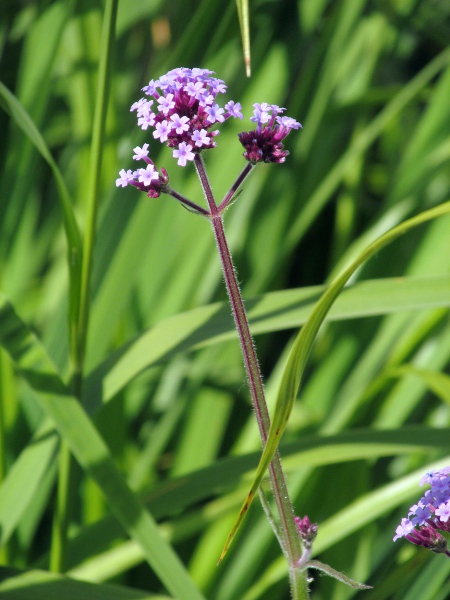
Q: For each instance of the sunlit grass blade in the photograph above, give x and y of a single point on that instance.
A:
(79, 433)
(244, 23)
(24, 478)
(437, 382)
(326, 187)
(180, 494)
(293, 372)
(74, 244)
(271, 312)
(359, 513)
(98, 141)
(42, 585)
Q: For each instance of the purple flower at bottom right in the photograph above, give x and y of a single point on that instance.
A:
(430, 515)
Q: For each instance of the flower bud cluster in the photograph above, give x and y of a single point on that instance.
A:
(263, 144)
(430, 515)
(307, 530)
(182, 110)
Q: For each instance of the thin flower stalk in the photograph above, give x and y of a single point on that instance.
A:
(291, 542)
(182, 110)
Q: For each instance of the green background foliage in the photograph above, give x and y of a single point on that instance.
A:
(163, 435)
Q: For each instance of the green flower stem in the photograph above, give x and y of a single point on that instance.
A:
(299, 583)
(61, 513)
(64, 501)
(98, 135)
(291, 539)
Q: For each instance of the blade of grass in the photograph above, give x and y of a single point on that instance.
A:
(81, 295)
(101, 106)
(327, 186)
(41, 585)
(24, 478)
(363, 511)
(293, 372)
(74, 245)
(244, 24)
(272, 312)
(437, 382)
(177, 495)
(91, 452)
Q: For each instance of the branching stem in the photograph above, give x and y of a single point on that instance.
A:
(290, 539)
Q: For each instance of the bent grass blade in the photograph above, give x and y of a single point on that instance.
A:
(296, 362)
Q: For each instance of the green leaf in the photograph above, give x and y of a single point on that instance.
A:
(437, 382)
(362, 511)
(179, 494)
(359, 145)
(78, 431)
(298, 356)
(42, 585)
(25, 477)
(95, 162)
(271, 312)
(244, 23)
(74, 245)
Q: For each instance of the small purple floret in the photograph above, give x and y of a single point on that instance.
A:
(182, 111)
(185, 110)
(263, 144)
(140, 153)
(430, 515)
(183, 153)
(125, 178)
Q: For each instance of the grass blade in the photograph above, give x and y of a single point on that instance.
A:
(78, 431)
(244, 23)
(271, 312)
(42, 585)
(74, 246)
(293, 372)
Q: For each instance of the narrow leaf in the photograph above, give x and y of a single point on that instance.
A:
(42, 585)
(271, 312)
(74, 246)
(244, 23)
(78, 431)
(437, 382)
(24, 478)
(298, 356)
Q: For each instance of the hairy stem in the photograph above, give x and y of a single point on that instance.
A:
(291, 540)
(187, 203)
(234, 188)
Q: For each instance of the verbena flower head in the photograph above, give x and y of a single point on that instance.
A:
(181, 109)
(263, 144)
(182, 112)
(430, 515)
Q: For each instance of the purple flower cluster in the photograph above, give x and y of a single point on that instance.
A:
(430, 515)
(263, 144)
(182, 111)
(146, 180)
(185, 110)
